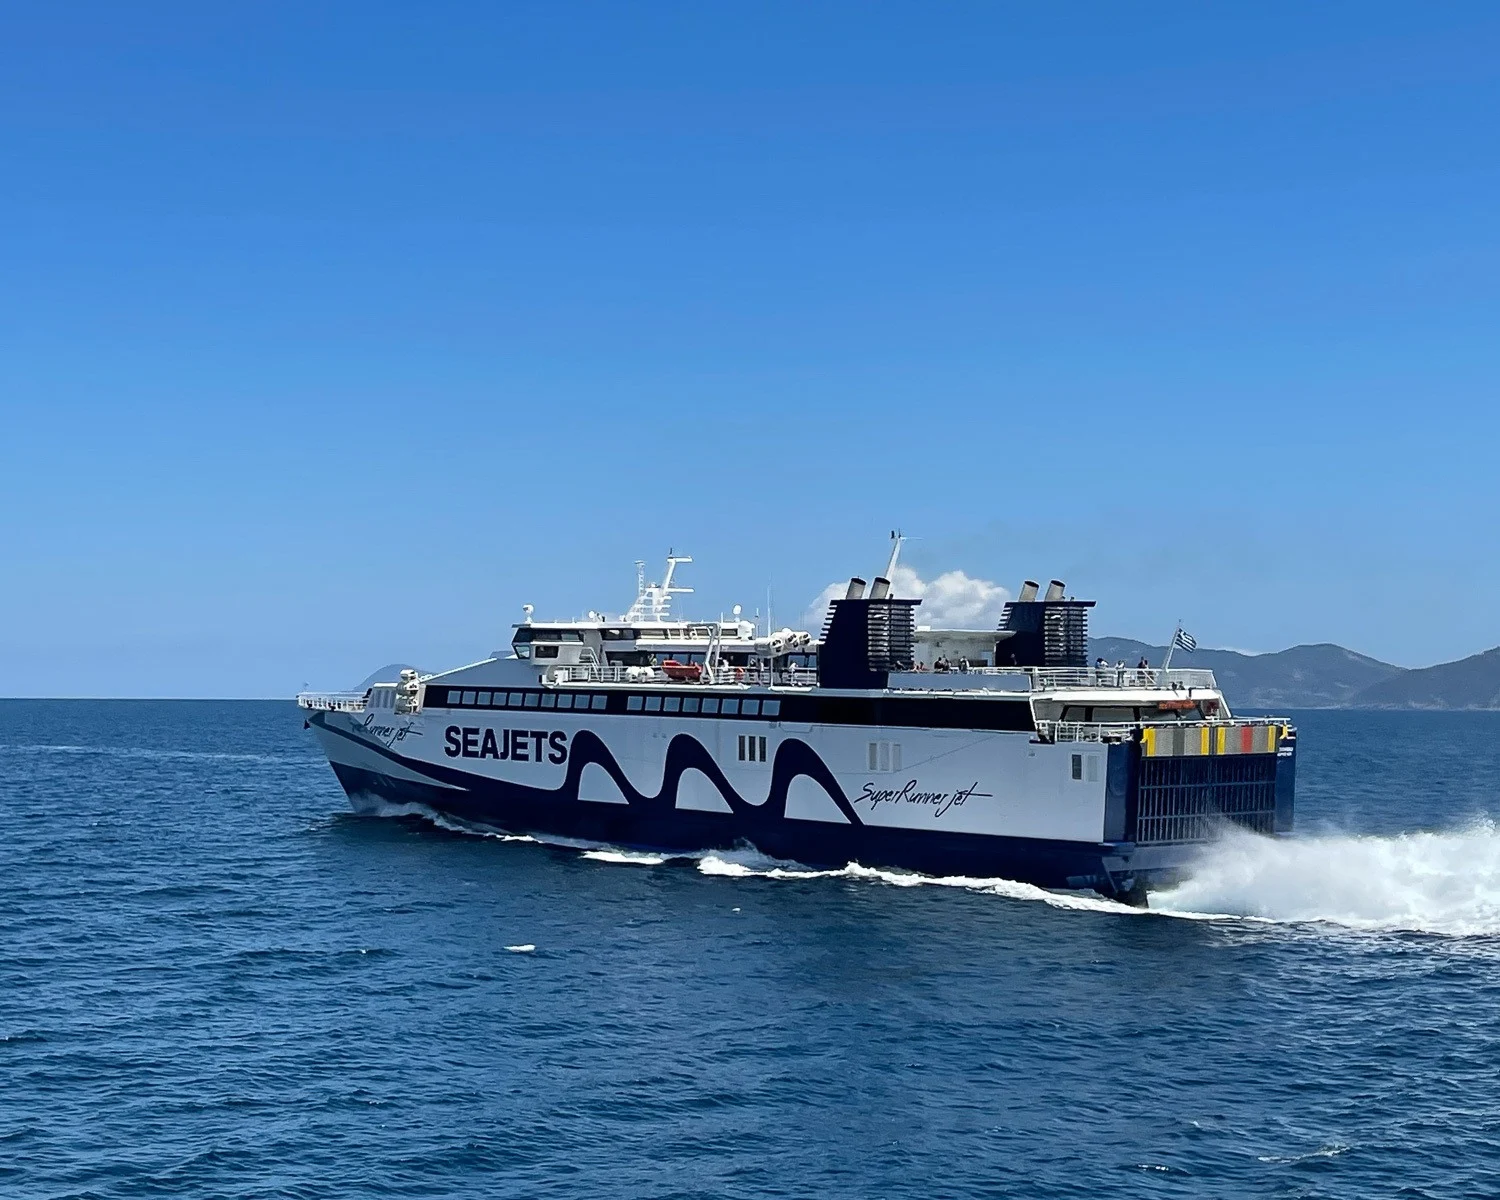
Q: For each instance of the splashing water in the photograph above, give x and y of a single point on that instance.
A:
(743, 864)
(1446, 883)
(1441, 883)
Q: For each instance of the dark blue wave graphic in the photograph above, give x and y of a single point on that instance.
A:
(793, 757)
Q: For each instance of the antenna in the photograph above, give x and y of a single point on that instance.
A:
(653, 601)
(897, 537)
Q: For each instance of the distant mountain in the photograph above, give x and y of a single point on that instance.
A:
(1319, 676)
(1472, 682)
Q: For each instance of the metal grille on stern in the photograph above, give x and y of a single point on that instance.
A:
(1191, 799)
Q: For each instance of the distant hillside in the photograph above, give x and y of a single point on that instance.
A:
(1320, 676)
(1472, 682)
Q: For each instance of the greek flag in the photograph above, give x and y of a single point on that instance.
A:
(1183, 640)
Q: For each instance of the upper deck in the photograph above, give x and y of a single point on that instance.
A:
(869, 657)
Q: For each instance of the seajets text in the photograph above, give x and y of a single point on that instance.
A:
(939, 802)
(518, 745)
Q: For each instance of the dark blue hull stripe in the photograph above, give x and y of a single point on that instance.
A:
(654, 822)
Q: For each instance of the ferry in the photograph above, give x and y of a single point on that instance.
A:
(954, 752)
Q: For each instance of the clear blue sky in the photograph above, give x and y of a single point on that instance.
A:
(331, 334)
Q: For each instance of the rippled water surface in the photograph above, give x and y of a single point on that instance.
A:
(215, 980)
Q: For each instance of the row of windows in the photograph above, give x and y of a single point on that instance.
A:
(752, 748)
(1085, 768)
(1112, 714)
(530, 633)
(575, 700)
(886, 712)
(709, 706)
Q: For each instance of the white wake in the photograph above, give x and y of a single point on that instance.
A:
(1446, 882)
(1442, 883)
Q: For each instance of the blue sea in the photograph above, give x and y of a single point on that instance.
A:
(217, 981)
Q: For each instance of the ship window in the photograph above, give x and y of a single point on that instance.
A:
(514, 700)
(530, 633)
(1091, 768)
(1077, 766)
(1110, 716)
(672, 703)
(468, 699)
(710, 704)
(565, 700)
(653, 704)
(771, 708)
(546, 651)
(599, 702)
(690, 704)
(484, 699)
(751, 708)
(730, 706)
(633, 703)
(742, 747)
(761, 742)
(549, 700)
(532, 698)
(884, 756)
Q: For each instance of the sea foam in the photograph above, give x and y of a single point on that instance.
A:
(1444, 882)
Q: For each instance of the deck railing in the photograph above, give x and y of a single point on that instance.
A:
(1091, 731)
(1083, 731)
(333, 701)
(613, 673)
(1049, 678)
